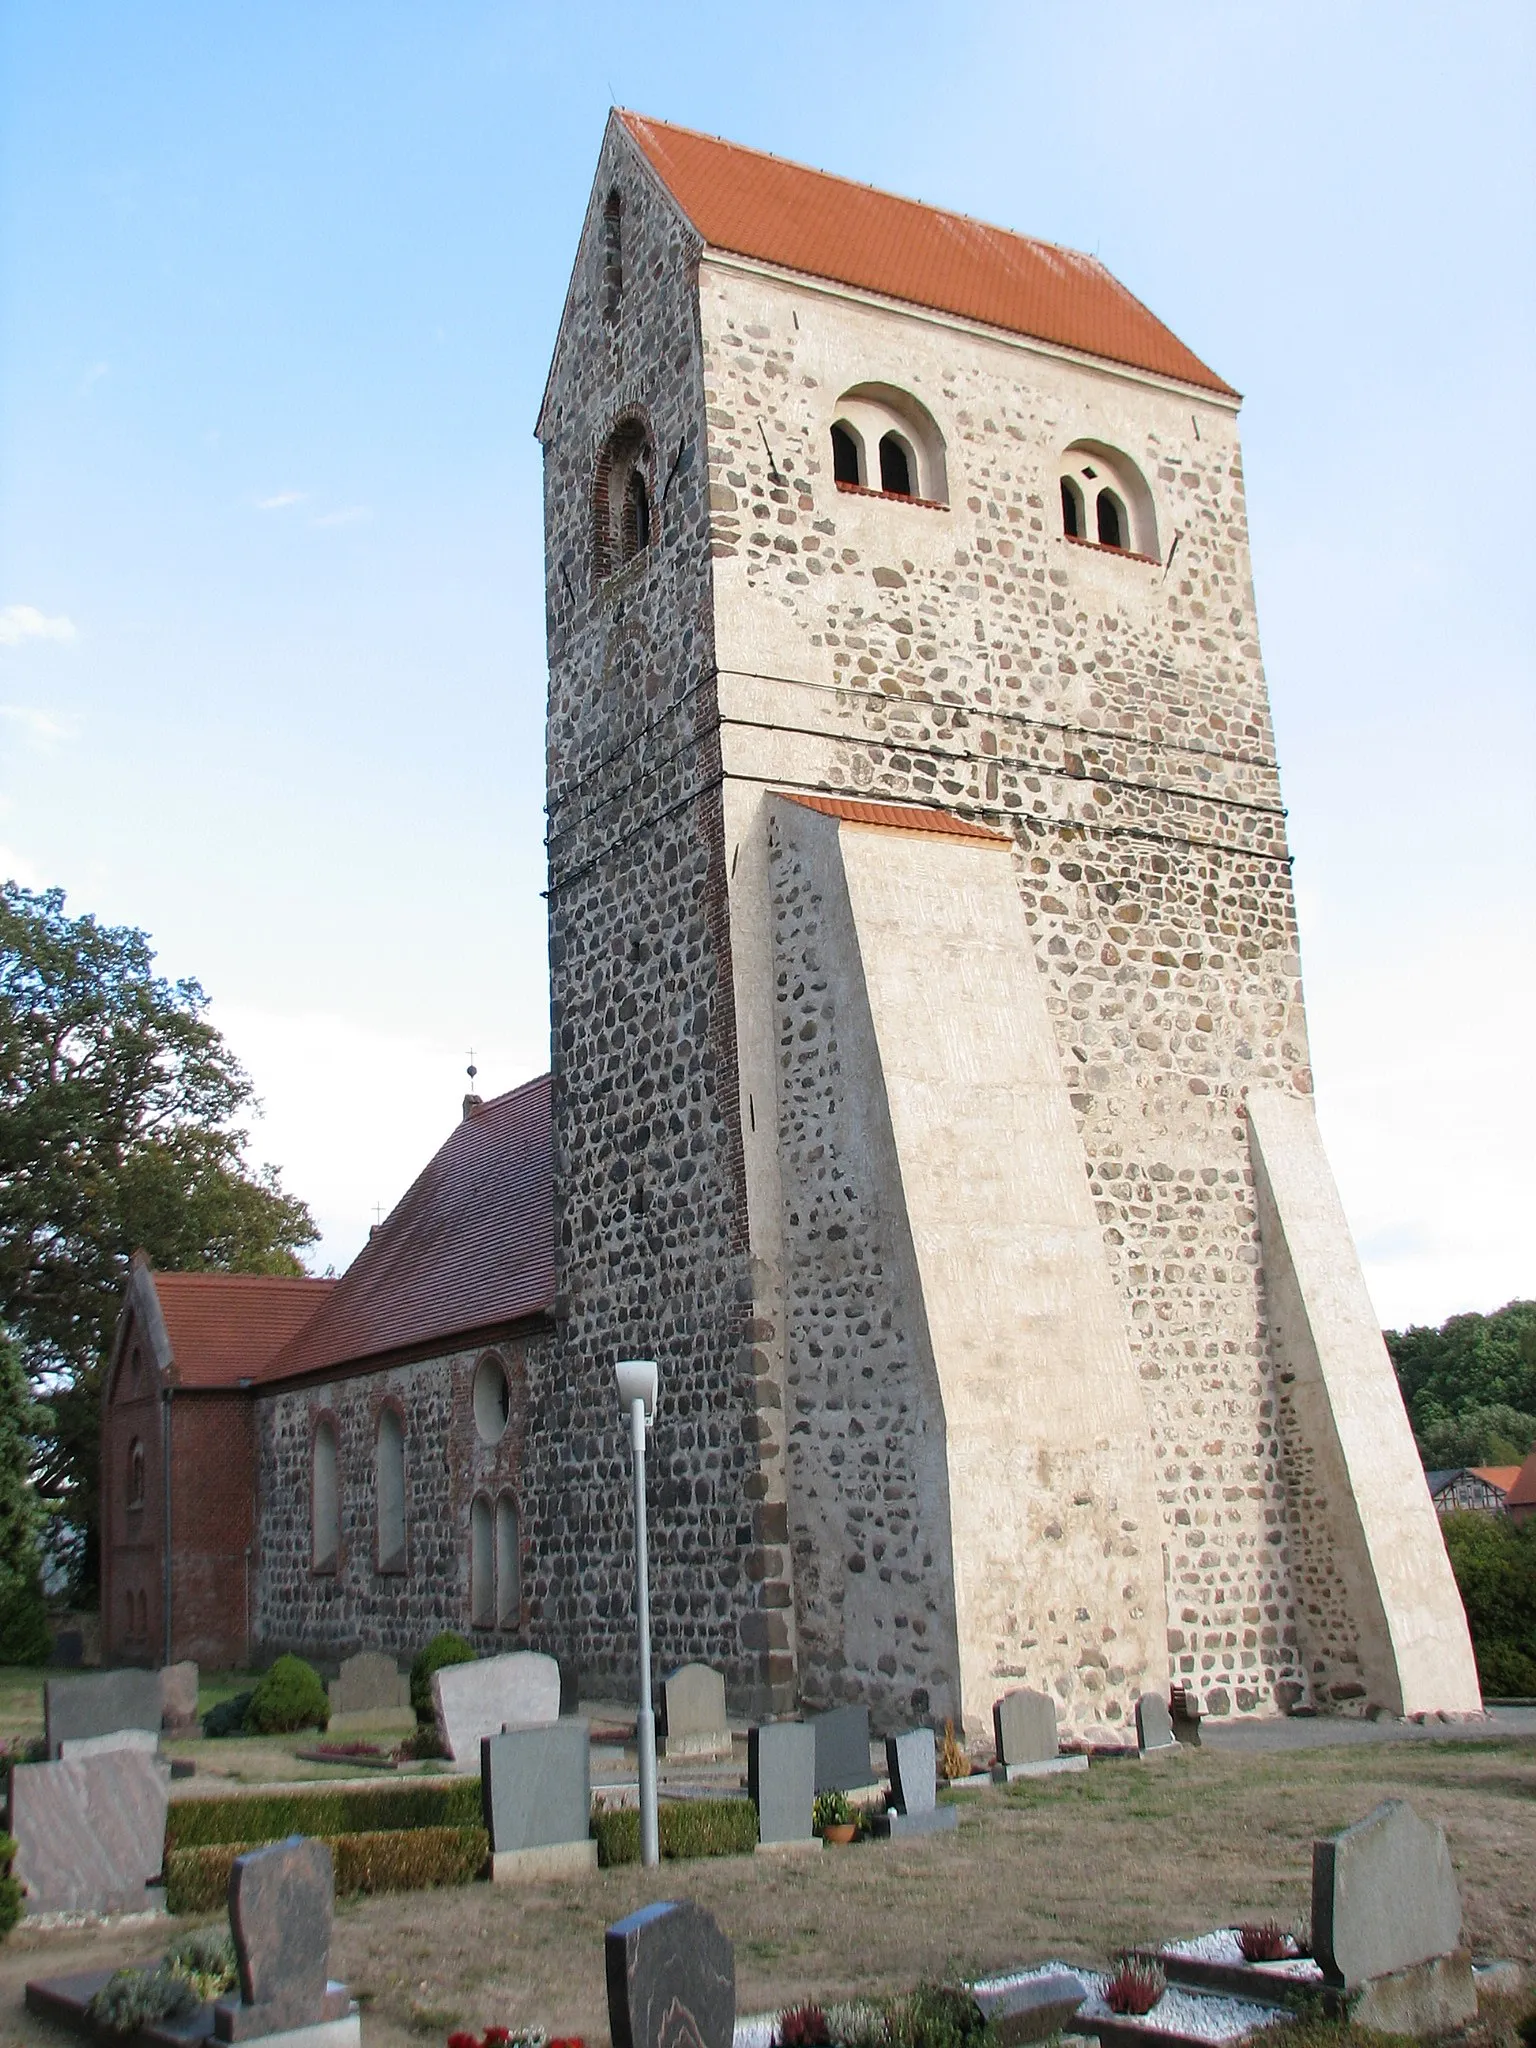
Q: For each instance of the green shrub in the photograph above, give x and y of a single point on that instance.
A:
(131, 1999)
(328, 1810)
(206, 1960)
(447, 1648)
(10, 1888)
(936, 2016)
(228, 1717)
(1495, 1567)
(396, 1860)
(687, 1828)
(291, 1695)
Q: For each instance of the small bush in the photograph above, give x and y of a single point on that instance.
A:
(952, 1759)
(1135, 1986)
(397, 1860)
(289, 1696)
(131, 1999)
(328, 1810)
(686, 1827)
(1266, 1942)
(228, 1717)
(858, 2024)
(444, 1649)
(936, 2016)
(10, 1888)
(205, 1959)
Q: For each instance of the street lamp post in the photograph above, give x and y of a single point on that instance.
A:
(637, 1393)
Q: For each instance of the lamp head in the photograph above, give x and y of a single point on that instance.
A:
(637, 1382)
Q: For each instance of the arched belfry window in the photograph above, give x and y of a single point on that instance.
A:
(613, 253)
(1105, 501)
(623, 499)
(324, 1501)
(390, 1491)
(886, 442)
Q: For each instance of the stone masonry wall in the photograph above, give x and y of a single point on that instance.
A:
(1112, 713)
(651, 1224)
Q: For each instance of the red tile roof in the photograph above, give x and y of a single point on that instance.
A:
(471, 1245)
(228, 1327)
(1501, 1476)
(1522, 1492)
(897, 817)
(797, 219)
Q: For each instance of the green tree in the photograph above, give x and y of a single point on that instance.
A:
(24, 1637)
(1478, 1436)
(1471, 1361)
(1495, 1567)
(121, 1112)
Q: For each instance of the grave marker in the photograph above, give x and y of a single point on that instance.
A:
(536, 1788)
(1030, 2009)
(842, 1750)
(90, 1832)
(99, 1704)
(471, 1701)
(281, 1901)
(144, 1740)
(1154, 1723)
(178, 1697)
(1384, 1896)
(693, 1709)
(369, 1683)
(781, 1783)
(1024, 1729)
(912, 1760)
(671, 1979)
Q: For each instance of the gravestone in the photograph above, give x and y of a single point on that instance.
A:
(536, 1789)
(1154, 1723)
(178, 1697)
(781, 1783)
(471, 1701)
(1024, 1730)
(912, 1760)
(369, 1683)
(842, 1750)
(1032, 2008)
(144, 1740)
(693, 1713)
(90, 1832)
(1384, 1897)
(281, 1901)
(99, 1703)
(671, 1979)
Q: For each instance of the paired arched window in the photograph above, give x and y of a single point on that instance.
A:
(623, 499)
(884, 441)
(324, 1500)
(495, 1568)
(1105, 501)
(389, 1462)
(136, 1474)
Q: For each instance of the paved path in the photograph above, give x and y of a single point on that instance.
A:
(1328, 1730)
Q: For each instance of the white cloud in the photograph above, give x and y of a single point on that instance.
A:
(279, 499)
(348, 516)
(41, 727)
(20, 622)
(15, 867)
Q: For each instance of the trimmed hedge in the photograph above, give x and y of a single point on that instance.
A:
(686, 1827)
(391, 1860)
(329, 1810)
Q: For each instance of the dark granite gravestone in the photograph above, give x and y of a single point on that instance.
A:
(842, 1749)
(1154, 1723)
(99, 1703)
(281, 1901)
(536, 1788)
(671, 1979)
(90, 1832)
(912, 1760)
(1384, 1897)
(781, 1781)
(1032, 2009)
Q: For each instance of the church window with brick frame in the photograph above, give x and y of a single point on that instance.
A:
(325, 1505)
(623, 498)
(482, 1565)
(390, 1490)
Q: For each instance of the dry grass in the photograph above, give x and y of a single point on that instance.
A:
(1076, 1867)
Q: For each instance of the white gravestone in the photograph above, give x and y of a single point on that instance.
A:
(472, 1701)
(694, 1699)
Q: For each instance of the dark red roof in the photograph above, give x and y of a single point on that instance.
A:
(471, 1245)
(228, 1327)
(896, 817)
(781, 213)
(1522, 1493)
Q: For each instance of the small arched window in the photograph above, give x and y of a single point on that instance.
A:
(390, 1484)
(1071, 509)
(509, 1583)
(135, 1474)
(324, 1502)
(847, 466)
(896, 466)
(1111, 521)
(1105, 501)
(491, 1399)
(613, 253)
(623, 505)
(482, 1565)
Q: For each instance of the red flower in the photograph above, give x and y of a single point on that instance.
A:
(462, 2040)
(496, 2037)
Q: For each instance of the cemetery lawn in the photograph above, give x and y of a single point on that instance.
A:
(1073, 1867)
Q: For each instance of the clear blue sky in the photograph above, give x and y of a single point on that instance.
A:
(279, 288)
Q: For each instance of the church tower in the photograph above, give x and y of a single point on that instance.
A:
(931, 1085)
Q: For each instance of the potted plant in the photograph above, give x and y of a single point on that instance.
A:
(832, 1817)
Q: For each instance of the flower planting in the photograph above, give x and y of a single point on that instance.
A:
(1266, 1942)
(1134, 1987)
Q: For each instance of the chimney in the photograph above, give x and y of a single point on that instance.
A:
(473, 1104)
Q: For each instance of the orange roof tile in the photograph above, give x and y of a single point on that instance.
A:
(1522, 1492)
(469, 1246)
(898, 817)
(228, 1327)
(750, 204)
(1501, 1476)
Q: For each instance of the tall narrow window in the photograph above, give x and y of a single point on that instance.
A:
(1111, 516)
(1071, 509)
(135, 1474)
(635, 533)
(509, 1583)
(613, 253)
(845, 457)
(325, 1514)
(390, 1481)
(624, 513)
(895, 468)
(482, 1565)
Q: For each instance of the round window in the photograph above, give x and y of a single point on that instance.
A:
(492, 1399)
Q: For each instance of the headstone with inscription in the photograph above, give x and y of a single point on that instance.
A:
(1024, 1730)
(369, 1683)
(693, 1713)
(99, 1703)
(536, 1788)
(90, 1832)
(281, 1902)
(671, 1979)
